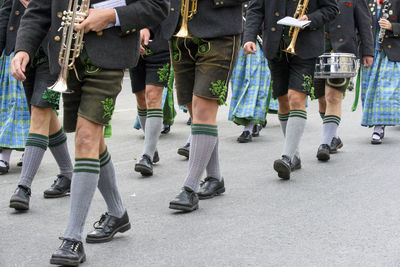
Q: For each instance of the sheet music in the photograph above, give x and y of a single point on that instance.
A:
(109, 4)
(289, 21)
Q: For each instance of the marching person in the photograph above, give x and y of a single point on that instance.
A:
(203, 64)
(354, 18)
(292, 75)
(110, 44)
(380, 93)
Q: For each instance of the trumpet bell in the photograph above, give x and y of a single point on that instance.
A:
(183, 33)
(290, 50)
(60, 86)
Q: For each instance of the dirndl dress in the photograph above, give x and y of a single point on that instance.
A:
(380, 92)
(14, 112)
(250, 85)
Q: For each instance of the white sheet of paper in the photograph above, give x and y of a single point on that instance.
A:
(109, 4)
(289, 21)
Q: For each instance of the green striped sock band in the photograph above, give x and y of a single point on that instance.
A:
(283, 117)
(322, 115)
(37, 140)
(142, 112)
(206, 129)
(58, 138)
(87, 165)
(105, 158)
(298, 113)
(332, 119)
(151, 113)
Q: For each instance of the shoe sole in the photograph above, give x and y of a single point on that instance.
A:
(323, 156)
(216, 193)
(377, 142)
(145, 171)
(183, 152)
(19, 205)
(255, 135)
(337, 148)
(56, 196)
(183, 208)
(243, 141)
(282, 170)
(66, 262)
(121, 229)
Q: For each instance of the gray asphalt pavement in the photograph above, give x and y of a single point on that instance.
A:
(341, 213)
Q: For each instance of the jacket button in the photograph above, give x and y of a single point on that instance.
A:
(128, 32)
(57, 38)
(341, 40)
(217, 3)
(172, 9)
(59, 15)
(277, 14)
(386, 36)
(339, 26)
(100, 33)
(133, 30)
(17, 13)
(222, 2)
(389, 46)
(11, 28)
(273, 29)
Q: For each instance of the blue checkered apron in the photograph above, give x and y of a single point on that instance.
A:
(380, 93)
(14, 113)
(250, 85)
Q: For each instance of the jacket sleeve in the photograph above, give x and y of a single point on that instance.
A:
(363, 19)
(5, 11)
(254, 20)
(227, 3)
(34, 26)
(327, 11)
(142, 14)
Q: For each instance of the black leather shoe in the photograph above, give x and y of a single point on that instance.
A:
(61, 187)
(296, 163)
(144, 166)
(186, 200)
(70, 253)
(4, 170)
(166, 129)
(107, 227)
(323, 152)
(335, 145)
(185, 150)
(245, 137)
(256, 130)
(210, 188)
(20, 199)
(283, 166)
(189, 121)
(156, 157)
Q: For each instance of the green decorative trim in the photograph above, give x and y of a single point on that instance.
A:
(308, 85)
(175, 51)
(298, 113)
(147, 50)
(87, 170)
(86, 165)
(203, 48)
(36, 144)
(103, 155)
(283, 117)
(163, 73)
(51, 97)
(86, 159)
(108, 105)
(219, 89)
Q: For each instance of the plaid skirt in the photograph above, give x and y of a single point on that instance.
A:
(14, 112)
(380, 93)
(250, 84)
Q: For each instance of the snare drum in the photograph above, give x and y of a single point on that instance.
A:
(336, 65)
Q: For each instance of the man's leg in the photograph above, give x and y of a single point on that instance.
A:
(185, 150)
(142, 108)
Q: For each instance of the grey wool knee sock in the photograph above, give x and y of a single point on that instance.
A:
(283, 119)
(153, 130)
(204, 139)
(212, 168)
(35, 147)
(108, 186)
(329, 128)
(83, 186)
(142, 114)
(294, 131)
(322, 115)
(59, 149)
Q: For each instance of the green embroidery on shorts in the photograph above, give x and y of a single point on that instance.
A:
(51, 97)
(175, 52)
(219, 89)
(147, 50)
(108, 105)
(196, 40)
(203, 48)
(163, 73)
(308, 85)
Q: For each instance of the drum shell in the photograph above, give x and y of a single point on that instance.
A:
(336, 65)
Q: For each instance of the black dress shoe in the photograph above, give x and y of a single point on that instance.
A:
(61, 187)
(144, 166)
(166, 129)
(185, 150)
(186, 200)
(156, 157)
(4, 170)
(20, 199)
(107, 227)
(323, 152)
(189, 121)
(296, 163)
(335, 145)
(210, 188)
(256, 130)
(70, 253)
(245, 137)
(284, 167)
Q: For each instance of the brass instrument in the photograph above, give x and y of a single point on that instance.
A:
(301, 10)
(72, 42)
(186, 16)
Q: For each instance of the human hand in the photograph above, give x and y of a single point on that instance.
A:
(18, 65)
(250, 48)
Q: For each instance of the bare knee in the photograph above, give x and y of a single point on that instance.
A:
(153, 96)
(297, 100)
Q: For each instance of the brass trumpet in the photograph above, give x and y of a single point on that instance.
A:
(188, 10)
(72, 42)
(301, 10)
